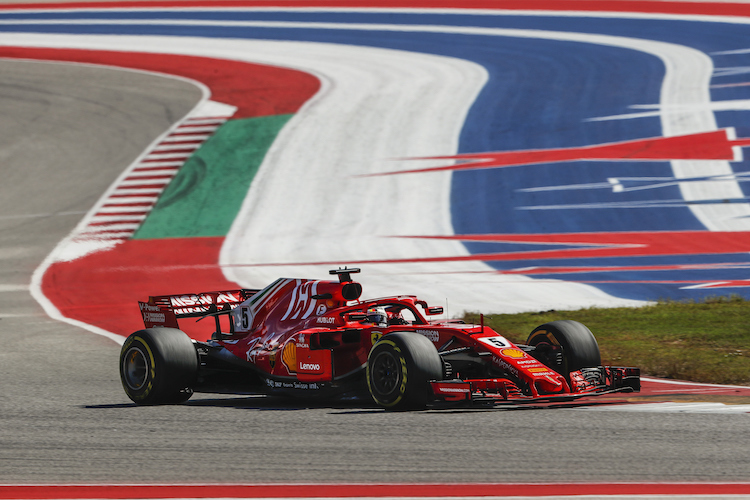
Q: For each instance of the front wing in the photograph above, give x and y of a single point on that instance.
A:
(584, 383)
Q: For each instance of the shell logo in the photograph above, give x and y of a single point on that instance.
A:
(513, 353)
(289, 356)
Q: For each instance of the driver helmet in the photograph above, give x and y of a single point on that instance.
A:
(377, 316)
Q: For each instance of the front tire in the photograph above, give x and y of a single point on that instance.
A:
(399, 370)
(565, 346)
(158, 366)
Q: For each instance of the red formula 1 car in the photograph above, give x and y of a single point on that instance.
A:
(314, 338)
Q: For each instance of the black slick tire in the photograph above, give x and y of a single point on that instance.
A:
(158, 366)
(565, 346)
(399, 370)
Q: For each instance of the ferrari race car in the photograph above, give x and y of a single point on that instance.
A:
(315, 338)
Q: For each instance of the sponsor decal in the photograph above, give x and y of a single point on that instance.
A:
(374, 337)
(301, 303)
(452, 389)
(203, 299)
(272, 360)
(539, 370)
(242, 318)
(252, 350)
(154, 317)
(309, 366)
(529, 362)
(513, 353)
(321, 310)
(504, 365)
(148, 307)
(433, 335)
(274, 384)
(496, 341)
(326, 320)
(289, 356)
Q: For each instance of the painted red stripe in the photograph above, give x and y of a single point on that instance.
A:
(256, 90)
(140, 268)
(724, 284)
(704, 146)
(715, 9)
(145, 204)
(151, 158)
(619, 244)
(132, 195)
(120, 214)
(595, 245)
(166, 155)
(186, 144)
(366, 490)
(183, 143)
(105, 235)
(152, 185)
(609, 269)
(146, 169)
(197, 129)
(203, 122)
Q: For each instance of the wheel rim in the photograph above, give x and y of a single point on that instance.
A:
(551, 355)
(135, 368)
(386, 373)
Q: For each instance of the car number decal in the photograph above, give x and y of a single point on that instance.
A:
(496, 341)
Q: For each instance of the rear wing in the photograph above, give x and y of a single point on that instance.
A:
(165, 310)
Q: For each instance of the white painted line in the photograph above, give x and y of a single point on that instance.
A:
(185, 129)
(147, 173)
(105, 211)
(127, 200)
(144, 191)
(126, 185)
(180, 138)
(167, 156)
(14, 288)
(151, 164)
(103, 236)
(670, 408)
(110, 228)
(115, 218)
(172, 147)
(211, 110)
(682, 382)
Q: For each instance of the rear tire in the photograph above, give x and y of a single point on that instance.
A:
(399, 370)
(158, 366)
(565, 346)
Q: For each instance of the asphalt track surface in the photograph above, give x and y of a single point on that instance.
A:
(65, 134)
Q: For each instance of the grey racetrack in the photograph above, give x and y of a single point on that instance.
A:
(66, 132)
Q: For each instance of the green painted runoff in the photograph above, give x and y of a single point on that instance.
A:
(206, 194)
